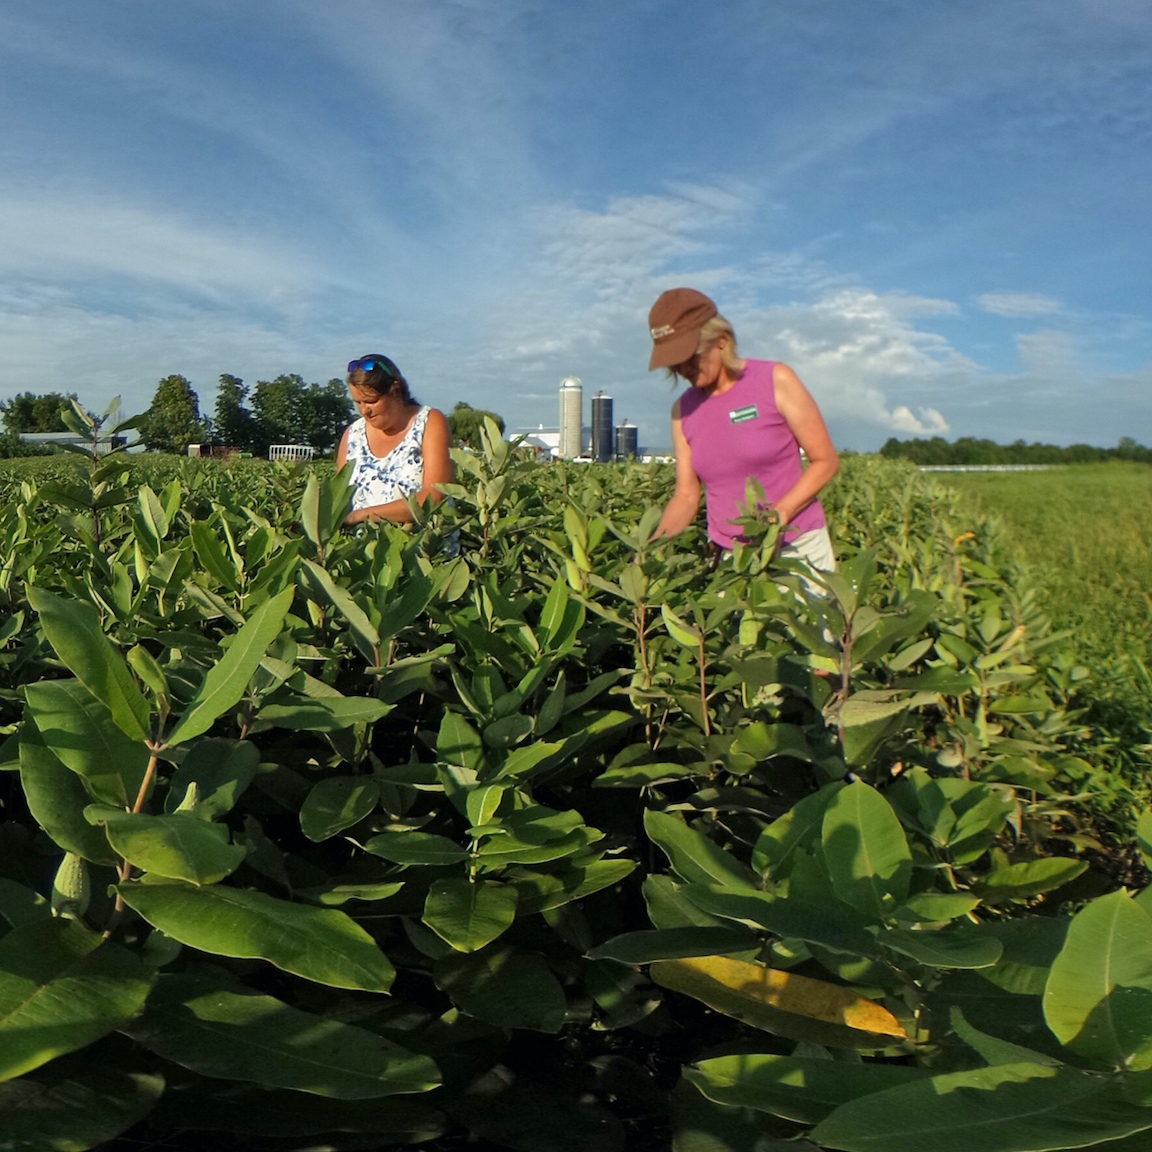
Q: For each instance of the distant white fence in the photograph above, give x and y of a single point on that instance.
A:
(290, 452)
(989, 467)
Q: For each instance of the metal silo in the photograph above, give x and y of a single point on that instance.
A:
(601, 428)
(627, 442)
(571, 417)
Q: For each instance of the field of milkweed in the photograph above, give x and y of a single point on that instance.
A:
(523, 830)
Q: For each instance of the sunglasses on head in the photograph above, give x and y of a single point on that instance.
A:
(374, 364)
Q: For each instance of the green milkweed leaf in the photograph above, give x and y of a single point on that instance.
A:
(73, 629)
(541, 891)
(320, 944)
(211, 554)
(793, 1088)
(1098, 998)
(61, 988)
(415, 848)
(78, 729)
(693, 855)
(508, 987)
(772, 852)
(470, 915)
(832, 924)
(946, 948)
(228, 678)
(75, 1104)
(215, 1027)
(21, 905)
(1028, 878)
(673, 943)
(992, 1048)
(865, 850)
(458, 743)
(1006, 1108)
(687, 635)
(177, 846)
(364, 633)
(322, 713)
(56, 797)
(337, 803)
(220, 769)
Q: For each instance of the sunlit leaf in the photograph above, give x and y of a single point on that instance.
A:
(778, 1001)
(62, 987)
(73, 629)
(320, 944)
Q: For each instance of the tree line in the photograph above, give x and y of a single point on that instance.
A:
(968, 450)
(286, 410)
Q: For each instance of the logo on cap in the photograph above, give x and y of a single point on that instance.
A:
(663, 330)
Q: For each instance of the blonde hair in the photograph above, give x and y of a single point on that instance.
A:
(711, 332)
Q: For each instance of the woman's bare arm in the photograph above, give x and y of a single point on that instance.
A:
(685, 503)
(807, 425)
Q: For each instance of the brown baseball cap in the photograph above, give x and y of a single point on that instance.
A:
(675, 321)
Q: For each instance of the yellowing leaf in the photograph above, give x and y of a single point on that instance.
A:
(758, 995)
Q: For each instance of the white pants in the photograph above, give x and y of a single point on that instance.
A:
(815, 548)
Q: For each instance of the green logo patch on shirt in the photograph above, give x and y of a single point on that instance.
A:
(739, 415)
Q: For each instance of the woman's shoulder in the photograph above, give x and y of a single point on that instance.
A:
(433, 423)
(759, 369)
(687, 403)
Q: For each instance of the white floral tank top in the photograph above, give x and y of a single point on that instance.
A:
(382, 479)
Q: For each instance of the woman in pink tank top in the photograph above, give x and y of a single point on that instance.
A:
(740, 419)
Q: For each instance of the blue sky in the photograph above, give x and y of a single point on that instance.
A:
(937, 213)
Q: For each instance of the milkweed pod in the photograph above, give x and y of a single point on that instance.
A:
(71, 889)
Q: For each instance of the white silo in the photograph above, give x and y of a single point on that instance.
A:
(571, 417)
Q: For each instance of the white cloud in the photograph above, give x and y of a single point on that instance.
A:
(1019, 304)
(929, 422)
(865, 361)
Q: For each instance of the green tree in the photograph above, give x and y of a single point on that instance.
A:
(325, 410)
(232, 425)
(173, 421)
(29, 412)
(276, 409)
(465, 422)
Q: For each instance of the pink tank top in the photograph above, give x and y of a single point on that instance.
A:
(738, 435)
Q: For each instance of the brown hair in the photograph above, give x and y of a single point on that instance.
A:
(380, 381)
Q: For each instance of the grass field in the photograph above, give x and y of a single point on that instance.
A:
(1085, 533)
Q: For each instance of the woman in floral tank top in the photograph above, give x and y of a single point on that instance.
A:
(398, 448)
(739, 420)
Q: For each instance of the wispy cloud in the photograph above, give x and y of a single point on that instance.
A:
(55, 238)
(1019, 304)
